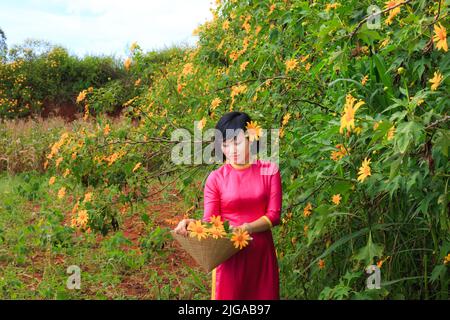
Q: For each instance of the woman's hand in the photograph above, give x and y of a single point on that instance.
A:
(245, 226)
(182, 227)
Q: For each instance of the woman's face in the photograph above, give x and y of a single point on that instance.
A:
(237, 149)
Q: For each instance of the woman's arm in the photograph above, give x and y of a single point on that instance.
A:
(211, 198)
(259, 225)
(273, 213)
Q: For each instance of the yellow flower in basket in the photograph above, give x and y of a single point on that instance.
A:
(197, 229)
(211, 243)
(218, 229)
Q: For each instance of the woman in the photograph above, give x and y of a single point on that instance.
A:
(247, 193)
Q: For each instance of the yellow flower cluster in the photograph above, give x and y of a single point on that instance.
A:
(393, 12)
(80, 216)
(57, 145)
(340, 153)
(307, 210)
(215, 229)
(236, 90)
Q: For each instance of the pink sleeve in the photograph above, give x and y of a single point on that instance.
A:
(211, 200)
(275, 199)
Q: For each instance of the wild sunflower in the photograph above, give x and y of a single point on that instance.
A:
(197, 229)
(440, 37)
(217, 232)
(436, 80)
(254, 130)
(240, 238)
(216, 221)
(364, 170)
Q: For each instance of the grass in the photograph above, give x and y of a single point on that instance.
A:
(140, 261)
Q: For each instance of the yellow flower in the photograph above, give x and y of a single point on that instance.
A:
(127, 63)
(307, 210)
(217, 232)
(447, 259)
(75, 207)
(336, 199)
(243, 66)
(215, 103)
(240, 238)
(201, 124)
(305, 230)
(440, 37)
(133, 46)
(390, 133)
(384, 43)
(254, 130)
(294, 240)
(286, 118)
(113, 158)
(216, 221)
(66, 173)
(235, 90)
(61, 193)
(106, 130)
(87, 197)
(291, 64)
(330, 6)
(58, 161)
(394, 12)
(137, 166)
(246, 26)
(272, 8)
(321, 264)
(226, 25)
(364, 80)
(137, 82)
(188, 69)
(81, 96)
(197, 229)
(52, 180)
(86, 112)
(340, 153)
(234, 55)
(436, 80)
(364, 170)
(348, 118)
(376, 124)
(73, 222)
(82, 217)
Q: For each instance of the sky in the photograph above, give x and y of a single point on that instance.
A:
(104, 26)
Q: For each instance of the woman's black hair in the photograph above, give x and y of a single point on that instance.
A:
(229, 126)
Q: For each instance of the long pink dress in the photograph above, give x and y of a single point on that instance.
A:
(239, 196)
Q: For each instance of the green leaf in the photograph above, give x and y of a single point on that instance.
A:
(370, 251)
(442, 142)
(145, 218)
(406, 133)
(438, 272)
(383, 74)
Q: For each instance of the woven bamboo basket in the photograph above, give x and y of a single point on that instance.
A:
(208, 252)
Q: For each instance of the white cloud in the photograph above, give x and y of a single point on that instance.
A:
(104, 26)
